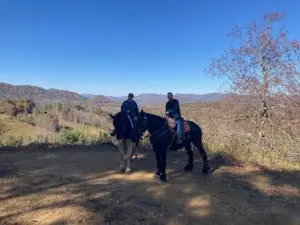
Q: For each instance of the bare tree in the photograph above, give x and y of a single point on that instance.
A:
(262, 62)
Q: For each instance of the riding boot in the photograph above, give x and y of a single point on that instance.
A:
(180, 138)
(113, 133)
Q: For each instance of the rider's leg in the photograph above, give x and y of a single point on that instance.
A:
(179, 128)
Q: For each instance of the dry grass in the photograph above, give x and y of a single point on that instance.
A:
(83, 128)
(29, 133)
(223, 133)
(12, 127)
(239, 137)
(83, 187)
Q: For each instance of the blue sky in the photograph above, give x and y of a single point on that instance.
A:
(114, 47)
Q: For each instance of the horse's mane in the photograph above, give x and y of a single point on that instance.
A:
(153, 116)
(121, 113)
(155, 122)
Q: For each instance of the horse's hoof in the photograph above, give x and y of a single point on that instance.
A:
(163, 179)
(188, 168)
(205, 170)
(156, 175)
(122, 168)
(128, 170)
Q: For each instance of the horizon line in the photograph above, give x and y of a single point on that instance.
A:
(117, 96)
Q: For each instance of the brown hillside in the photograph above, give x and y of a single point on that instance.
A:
(99, 100)
(38, 94)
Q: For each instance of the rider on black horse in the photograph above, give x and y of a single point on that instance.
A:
(173, 111)
(130, 107)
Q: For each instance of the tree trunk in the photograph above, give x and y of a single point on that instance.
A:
(264, 113)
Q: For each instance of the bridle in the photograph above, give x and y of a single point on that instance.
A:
(145, 124)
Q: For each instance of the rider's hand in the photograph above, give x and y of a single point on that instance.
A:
(128, 111)
(135, 118)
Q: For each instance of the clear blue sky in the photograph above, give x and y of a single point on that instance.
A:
(114, 47)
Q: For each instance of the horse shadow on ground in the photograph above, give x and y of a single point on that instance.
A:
(83, 187)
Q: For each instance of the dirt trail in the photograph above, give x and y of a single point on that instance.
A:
(84, 187)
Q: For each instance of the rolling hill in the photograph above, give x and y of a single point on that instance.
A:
(38, 94)
(41, 95)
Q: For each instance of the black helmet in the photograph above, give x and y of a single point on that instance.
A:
(130, 95)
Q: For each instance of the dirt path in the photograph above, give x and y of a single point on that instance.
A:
(84, 187)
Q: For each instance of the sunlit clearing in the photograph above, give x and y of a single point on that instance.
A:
(52, 215)
(264, 184)
(200, 205)
(136, 176)
(158, 191)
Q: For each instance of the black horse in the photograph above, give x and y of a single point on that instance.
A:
(163, 138)
(127, 137)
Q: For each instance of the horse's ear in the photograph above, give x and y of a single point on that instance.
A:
(142, 112)
(111, 116)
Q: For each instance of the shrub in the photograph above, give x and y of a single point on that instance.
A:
(15, 107)
(25, 118)
(71, 137)
(2, 128)
(13, 142)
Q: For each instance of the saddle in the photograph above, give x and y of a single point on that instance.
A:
(172, 124)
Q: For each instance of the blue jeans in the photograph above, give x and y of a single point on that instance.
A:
(179, 127)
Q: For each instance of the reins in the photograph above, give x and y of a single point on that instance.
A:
(173, 136)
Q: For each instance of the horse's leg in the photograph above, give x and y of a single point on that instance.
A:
(134, 152)
(199, 145)
(158, 162)
(129, 145)
(190, 165)
(120, 145)
(163, 161)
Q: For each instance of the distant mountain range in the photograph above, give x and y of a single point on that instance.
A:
(41, 95)
(151, 99)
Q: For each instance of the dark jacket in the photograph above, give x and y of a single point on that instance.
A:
(131, 106)
(172, 107)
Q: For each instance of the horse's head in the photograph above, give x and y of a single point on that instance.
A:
(114, 119)
(142, 122)
(150, 122)
(121, 124)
